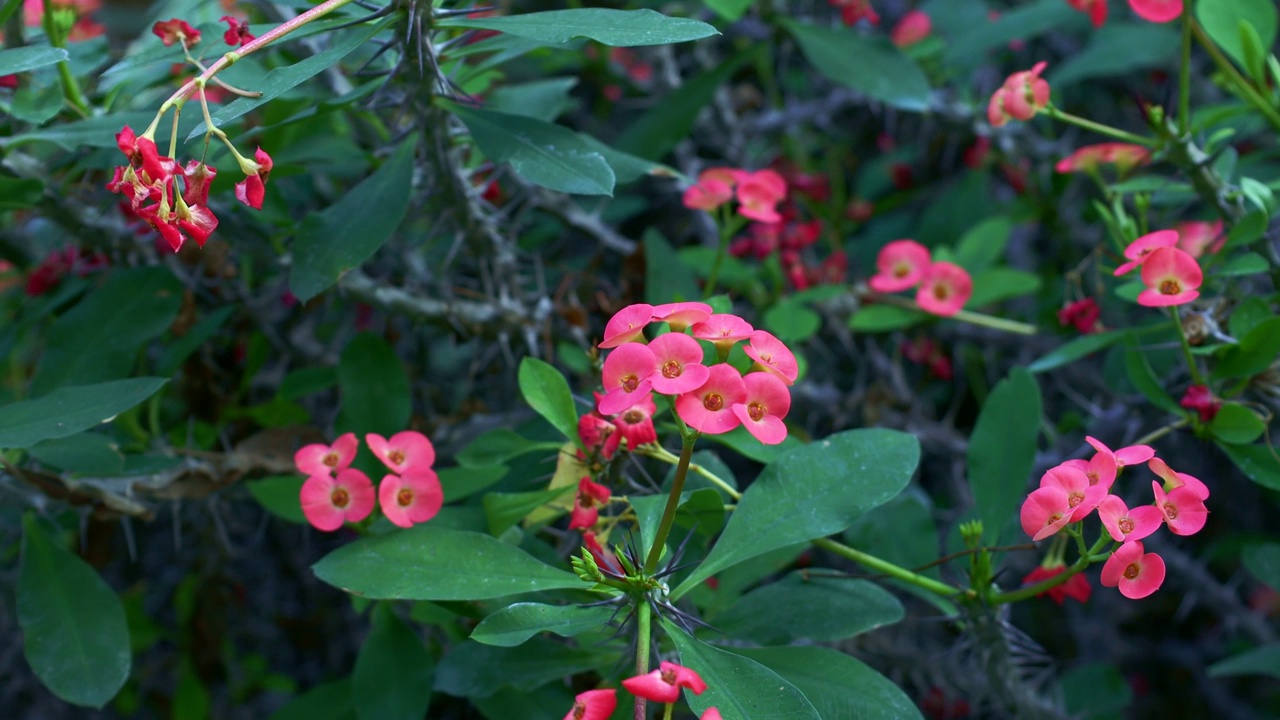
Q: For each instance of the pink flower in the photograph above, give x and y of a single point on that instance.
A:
(1157, 11)
(680, 315)
(1176, 479)
(594, 705)
(1082, 496)
(1136, 574)
(1097, 10)
(1100, 469)
(759, 194)
(627, 325)
(711, 191)
(679, 362)
(405, 451)
(595, 432)
(709, 409)
(327, 502)
(1139, 250)
(1196, 237)
(1045, 511)
(1076, 587)
(663, 685)
(1082, 314)
(237, 33)
(1124, 156)
(635, 425)
(945, 289)
(586, 504)
(1132, 455)
(252, 190)
(1125, 524)
(175, 30)
(628, 376)
(901, 265)
(767, 401)
(1184, 511)
(414, 497)
(773, 356)
(1201, 399)
(1022, 95)
(723, 330)
(911, 29)
(710, 714)
(320, 459)
(1172, 277)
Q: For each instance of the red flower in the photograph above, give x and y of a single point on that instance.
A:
(1083, 315)
(252, 189)
(911, 29)
(1022, 96)
(9, 81)
(175, 30)
(851, 11)
(1200, 398)
(1097, 10)
(663, 685)
(1157, 11)
(594, 705)
(1077, 587)
(586, 504)
(237, 31)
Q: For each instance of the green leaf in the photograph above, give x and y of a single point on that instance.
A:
(431, 563)
(883, 318)
(99, 338)
(868, 64)
(503, 510)
(177, 352)
(87, 453)
(69, 410)
(392, 676)
(330, 701)
(37, 103)
(97, 132)
(22, 59)
(851, 471)
(1256, 462)
(1117, 49)
(1264, 660)
(549, 155)
(20, 193)
(1001, 283)
(838, 685)
(342, 236)
(1096, 691)
(74, 632)
(792, 321)
(807, 606)
(1144, 379)
(1249, 314)
(741, 688)
(1002, 450)
(498, 446)
(1247, 264)
(475, 670)
(1262, 560)
(1255, 353)
(374, 387)
(285, 78)
(280, 496)
(618, 28)
(984, 244)
(8, 9)
(626, 167)
(1222, 18)
(731, 10)
(1020, 23)
(516, 623)
(666, 278)
(1075, 349)
(1237, 424)
(547, 392)
(461, 482)
(545, 99)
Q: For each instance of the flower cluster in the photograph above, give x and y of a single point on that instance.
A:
(942, 287)
(1022, 95)
(335, 492)
(662, 685)
(758, 193)
(1172, 276)
(713, 398)
(1071, 491)
(1076, 587)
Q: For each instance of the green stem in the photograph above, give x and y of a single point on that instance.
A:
(673, 502)
(1186, 349)
(1161, 432)
(1241, 84)
(888, 568)
(644, 632)
(1099, 127)
(666, 713)
(1184, 78)
(973, 318)
(1081, 563)
(70, 86)
(657, 452)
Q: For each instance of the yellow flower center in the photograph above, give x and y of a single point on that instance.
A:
(340, 498)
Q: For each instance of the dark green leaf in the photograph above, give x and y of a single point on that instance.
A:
(330, 701)
(542, 153)
(16, 60)
(516, 623)
(1264, 660)
(544, 99)
(851, 471)
(280, 496)
(1116, 49)
(460, 482)
(431, 563)
(868, 64)
(792, 321)
(392, 676)
(345, 234)
(73, 627)
(1075, 349)
(99, 338)
(703, 510)
(472, 669)
(1257, 462)
(1222, 18)
(37, 103)
(901, 531)
(1001, 283)
(176, 352)
(667, 279)
(1019, 23)
(1002, 450)
(1146, 382)
(87, 453)
(807, 606)
(8, 9)
(883, 318)
(731, 10)
(619, 28)
(498, 446)
(1237, 424)
(1249, 314)
(740, 688)
(69, 410)
(375, 392)
(19, 193)
(547, 392)
(1247, 231)
(984, 244)
(503, 510)
(839, 686)
(1263, 562)
(626, 167)
(1247, 264)
(307, 381)
(1096, 691)
(97, 132)
(1255, 353)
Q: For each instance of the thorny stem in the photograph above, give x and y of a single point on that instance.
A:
(644, 630)
(1085, 560)
(1099, 127)
(1241, 84)
(1186, 348)
(973, 318)
(673, 502)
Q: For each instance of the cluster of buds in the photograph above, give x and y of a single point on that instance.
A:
(1022, 95)
(942, 288)
(758, 193)
(1202, 400)
(662, 685)
(1071, 491)
(1124, 156)
(710, 398)
(335, 492)
(1172, 276)
(1084, 315)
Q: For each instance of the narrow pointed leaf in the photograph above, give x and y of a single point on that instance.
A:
(543, 153)
(69, 410)
(515, 624)
(619, 28)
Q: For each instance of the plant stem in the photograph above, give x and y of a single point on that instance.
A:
(70, 86)
(644, 629)
(673, 502)
(658, 452)
(973, 318)
(1184, 78)
(1099, 127)
(1031, 591)
(1161, 432)
(1186, 348)
(888, 568)
(1242, 85)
